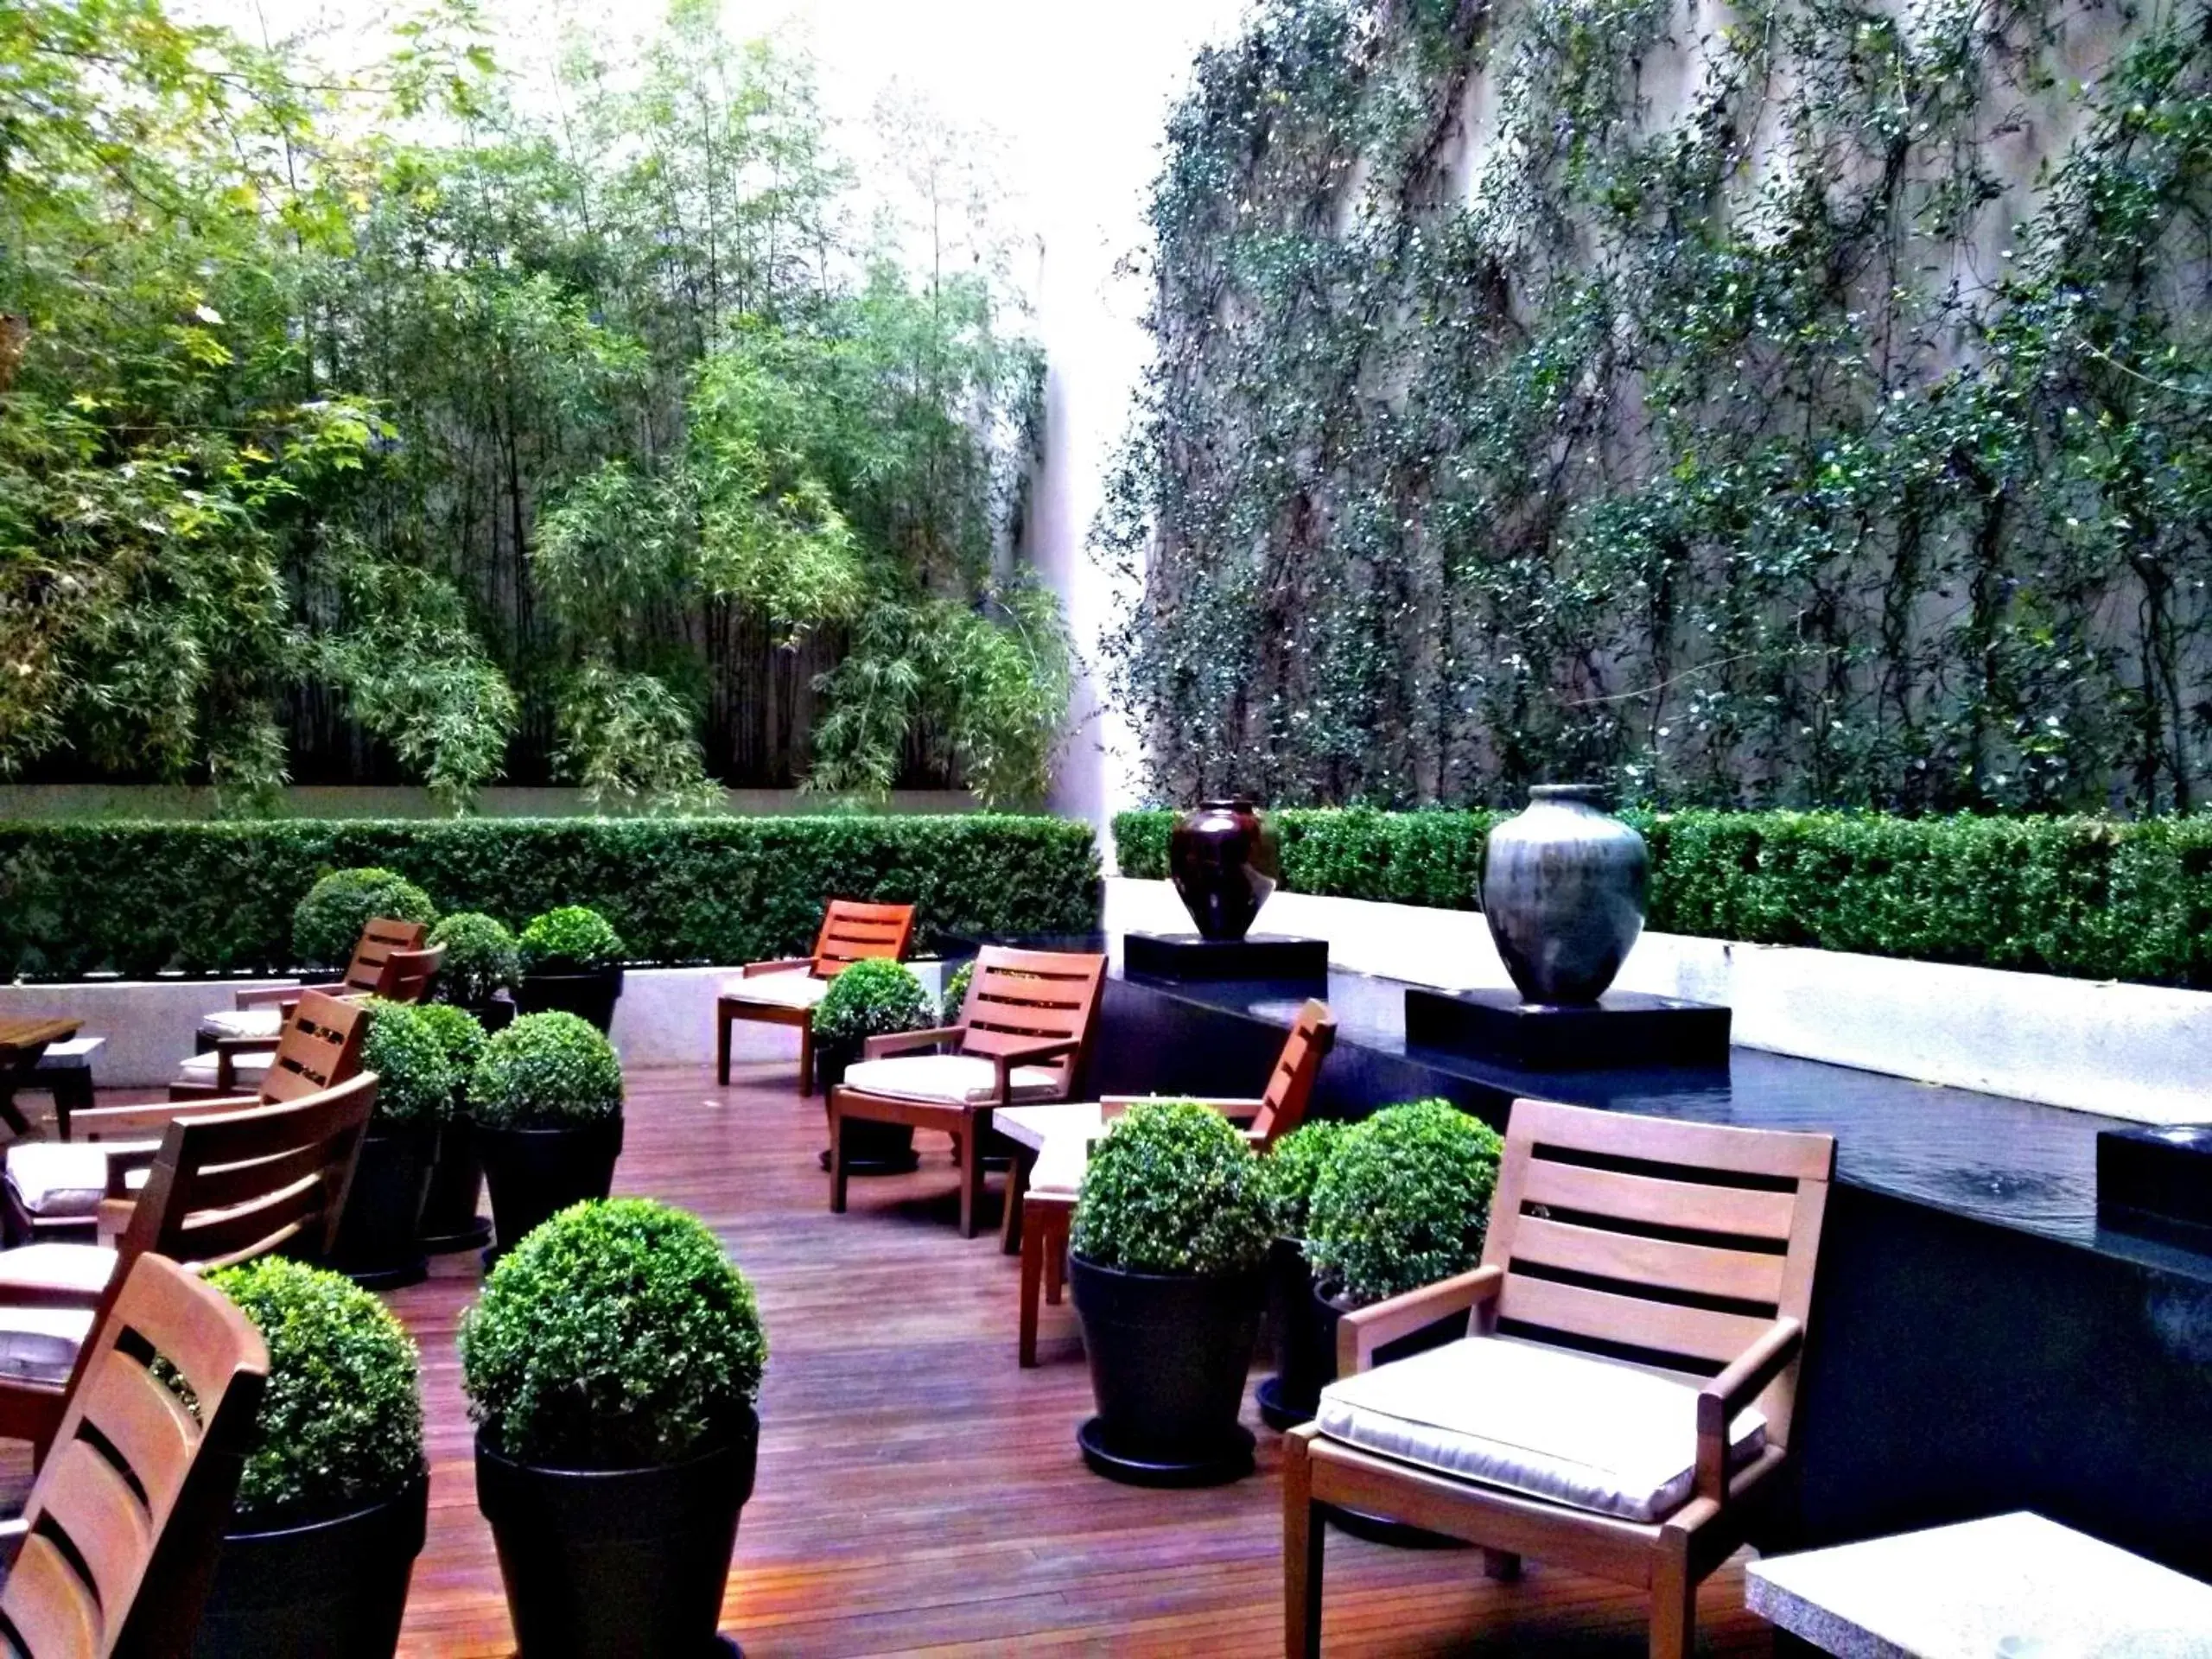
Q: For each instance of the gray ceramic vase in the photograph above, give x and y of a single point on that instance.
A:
(1563, 891)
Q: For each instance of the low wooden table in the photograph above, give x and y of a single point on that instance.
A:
(23, 1037)
(2012, 1586)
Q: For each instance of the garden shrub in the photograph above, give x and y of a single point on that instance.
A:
(2094, 898)
(568, 939)
(616, 1336)
(416, 1073)
(1290, 1168)
(1171, 1187)
(341, 1424)
(139, 900)
(1404, 1201)
(954, 1002)
(548, 1070)
(872, 998)
(481, 958)
(327, 923)
(460, 1033)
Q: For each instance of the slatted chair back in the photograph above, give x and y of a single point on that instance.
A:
(854, 932)
(370, 973)
(1290, 1086)
(1677, 1243)
(409, 975)
(320, 1046)
(129, 1511)
(1018, 998)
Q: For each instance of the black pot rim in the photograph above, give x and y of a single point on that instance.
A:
(611, 971)
(721, 1449)
(599, 1125)
(419, 1482)
(1171, 1278)
(425, 1130)
(1229, 804)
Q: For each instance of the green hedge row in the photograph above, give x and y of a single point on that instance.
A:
(140, 898)
(2094, 898)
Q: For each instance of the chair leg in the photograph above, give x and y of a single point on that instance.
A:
(1674, 1609)
(1502, 1565)
(971, 1179)
(721, 1043)
(837, 1161)
(1303, 1556)
(806, 1059)
(1056, 1255)
(1033, 1275)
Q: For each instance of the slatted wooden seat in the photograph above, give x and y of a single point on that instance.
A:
(367, 974)
(226, 1063)
(227, 1184)
(1024, 1034)
(784, 992)
(117, 1546)
(1612, 1238)
(1047, 1212)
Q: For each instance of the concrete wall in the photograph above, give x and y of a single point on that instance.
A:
(2128, 1051)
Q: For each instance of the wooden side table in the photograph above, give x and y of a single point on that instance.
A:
(23, 1037)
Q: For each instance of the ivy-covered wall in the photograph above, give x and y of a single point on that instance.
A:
(1805, 402)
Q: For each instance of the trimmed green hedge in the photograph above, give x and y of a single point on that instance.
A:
(2092, 898)
(140, 898)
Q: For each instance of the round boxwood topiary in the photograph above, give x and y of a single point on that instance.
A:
(1404, 1201)
(616, 1335)
(327, 923)
(481, 958)
(1291, 1168)
(545, 1072)
(955, 1000)
(460, 1033)
(416, 1074)
(340, 1425)
(869, 998)
(1172, 1188)
(572, 939)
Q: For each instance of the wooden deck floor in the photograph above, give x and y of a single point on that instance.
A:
(918, 1492)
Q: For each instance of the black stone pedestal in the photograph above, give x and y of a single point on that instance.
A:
(1624, 1028)
(1257, 955)
(2157, 1179)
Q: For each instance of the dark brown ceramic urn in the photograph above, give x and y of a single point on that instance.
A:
(1223, 862)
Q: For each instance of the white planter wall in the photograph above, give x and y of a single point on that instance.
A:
(2128, 1051)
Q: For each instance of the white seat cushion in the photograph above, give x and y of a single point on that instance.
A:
(40, 1345)
(791, 990)
(948, 1079)
(57, 1179)
(243, 1022)
(56, 1267)
(247, 1068)
(1572, 1428)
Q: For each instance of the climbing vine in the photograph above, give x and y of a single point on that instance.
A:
(1806, 402)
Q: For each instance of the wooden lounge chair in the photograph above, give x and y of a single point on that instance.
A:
(1024, 1034)
(116, 1549)
(226, 1185)
(54, 1190)
(1048, 1202)
(259, 1013)
(1612, 1238)
(228, 1065)
(783, 992)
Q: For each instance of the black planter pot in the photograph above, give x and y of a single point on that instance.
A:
(535, 1172)
(1169, 1354)
(450, 1220)
(589, 995)
(870, 1148)
(628, 1562)
(380, 1235)
(1304, 1342)
(330, 1590)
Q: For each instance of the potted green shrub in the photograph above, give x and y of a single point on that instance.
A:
(545, 1106)
(482, 966)
(611, 1367)
(380, 1232)
(571, 961)
(1288, 1171)
(327, 923)
(871, 998)
(450, 1218)
(1168, 1246)
(330, 1509)
(954, 1002)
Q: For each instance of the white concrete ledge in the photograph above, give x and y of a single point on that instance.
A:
(2139, 1052)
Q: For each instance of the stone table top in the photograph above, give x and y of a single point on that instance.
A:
(2011, 1586)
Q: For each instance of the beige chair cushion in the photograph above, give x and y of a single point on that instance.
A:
(40, 1345)
(61, 1180)
(1572, 1428)
(947, 1079)
(243, 1022)
(247, 1068)
(784, 989)
(56, 1267)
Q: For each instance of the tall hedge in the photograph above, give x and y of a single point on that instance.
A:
(2094, 898)
(140, 898)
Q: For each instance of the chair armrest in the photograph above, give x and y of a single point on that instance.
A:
(262, 996)
(115, 1218)
(1720, 1399)
(148, 1117)
(905, 1042)
(1360, 1332)
(1028, 1054)
(782, 965)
